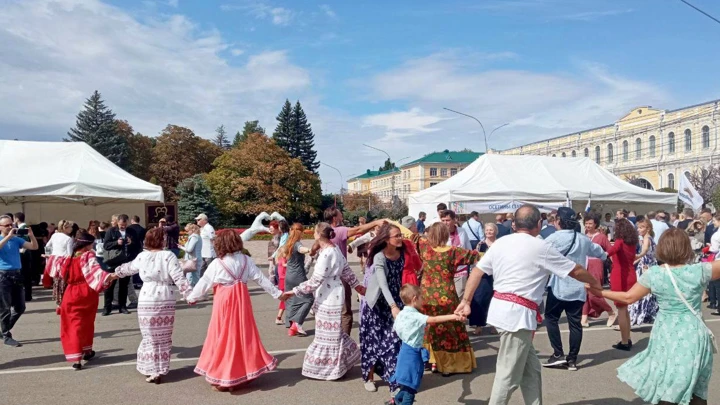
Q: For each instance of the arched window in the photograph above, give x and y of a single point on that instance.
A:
(564, 155)
(706, 136)
(586, 152)
(626, 152)
(610, 153)
(688, 140)
(638, 148)
(651, 149)
(644, 184)
(597, 154)
(671, 180)
(573, 154)
(671, 142)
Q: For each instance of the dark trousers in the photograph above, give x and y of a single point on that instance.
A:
(347, 314)
(12, 300)
(573, 310)
(406, 396)
(714, 292)
(122, 293)
(27, 273)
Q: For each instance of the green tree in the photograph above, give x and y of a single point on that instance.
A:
(387, 165)
(194, 197)
(250, 127)
(305, 139)
(95, 125)
(140, 150)
(284, 135)
(221, 139)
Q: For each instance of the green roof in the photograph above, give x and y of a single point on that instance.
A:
(446, 156)
(373, 173)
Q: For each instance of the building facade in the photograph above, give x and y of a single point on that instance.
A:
(652, 147)
(412, 177)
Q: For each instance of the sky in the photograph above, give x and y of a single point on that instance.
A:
(371, 72)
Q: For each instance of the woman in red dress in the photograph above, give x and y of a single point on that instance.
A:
(623, 275)
(595, 306)
(81, 280)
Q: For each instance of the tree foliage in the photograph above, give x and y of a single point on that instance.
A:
(294, 134)
(140, 150)
(96, 126)
(221, 139)
(246, 182)
(706, 181)
(194, 197)
(387, 165)
(180, 154)
(250, 127)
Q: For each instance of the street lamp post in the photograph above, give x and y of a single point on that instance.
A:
(392, 178)
(478, 121)
(493, 131)
(341, 180)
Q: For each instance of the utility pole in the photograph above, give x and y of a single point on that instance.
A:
(392, 177)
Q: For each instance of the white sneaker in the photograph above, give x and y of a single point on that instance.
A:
(370, 386)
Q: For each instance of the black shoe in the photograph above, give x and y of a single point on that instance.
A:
(712, 306)
(124, 311)
(88, 356)
(555, 361)
(132, 305)
(77, 366)
(106, 312)
(9, 341)
(571, 365)
(624, 347)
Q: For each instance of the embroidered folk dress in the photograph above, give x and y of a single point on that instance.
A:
(448, 342)
(162, 277)
(333, 352)
(678, 361)
(83, 280)
(233, 352)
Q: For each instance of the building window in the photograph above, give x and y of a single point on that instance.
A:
(597, 154)
(586, 152)
(453, 172)
(638, 148)
(652, 146)
(688, 140)
(433, 184)
(706, 137)
(626, 152)
(443, 172)
(573, 154)
(433, 172)
(610, 153)
(671, 180)
(671, 142)
(564, 155)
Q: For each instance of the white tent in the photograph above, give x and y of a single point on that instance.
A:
(500, 183)
(55, 180)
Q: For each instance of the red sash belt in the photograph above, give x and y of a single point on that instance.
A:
(516, 299)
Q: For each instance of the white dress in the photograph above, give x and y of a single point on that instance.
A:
(162, 278)
(60, 246)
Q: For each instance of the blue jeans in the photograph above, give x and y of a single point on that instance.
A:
(193, 277)
(12, 300)
(406, 396)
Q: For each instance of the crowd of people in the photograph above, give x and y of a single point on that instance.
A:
(423, 282)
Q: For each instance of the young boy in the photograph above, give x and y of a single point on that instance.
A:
(410, 327)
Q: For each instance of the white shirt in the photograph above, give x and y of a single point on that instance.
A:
(240, 268)
(610, 225)
(521, 264)
(207, 233)
(658, 228)
(465, 244)
(60, 244)
(715, 242)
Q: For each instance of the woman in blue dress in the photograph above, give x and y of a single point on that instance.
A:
(645, 310)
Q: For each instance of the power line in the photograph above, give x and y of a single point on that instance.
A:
(699, 10)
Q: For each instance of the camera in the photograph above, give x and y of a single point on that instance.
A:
(22, 232)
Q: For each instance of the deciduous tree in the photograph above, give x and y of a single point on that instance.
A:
(140, 150)
(706, 181)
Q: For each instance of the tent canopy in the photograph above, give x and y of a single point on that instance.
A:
(66, 172)
(501, 178)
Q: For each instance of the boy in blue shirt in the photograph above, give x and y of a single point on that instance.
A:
(410, 327)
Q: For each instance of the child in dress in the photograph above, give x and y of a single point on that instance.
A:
(410, 327)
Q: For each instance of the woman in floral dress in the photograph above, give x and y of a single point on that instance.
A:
(448, 343)
(677, 364)
(644, 311)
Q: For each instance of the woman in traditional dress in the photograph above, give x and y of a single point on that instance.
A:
(232, 353)
(483, 295)
(623, 276)
(448, 343)
(644, 310)
(193, 250)
(81, 279)
(60, 247)
(379, 344)
(333, 352)
(162, 278)
(677, 364)
(297, 308)
(595, 306)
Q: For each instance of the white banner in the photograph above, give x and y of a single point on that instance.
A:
(688, 194)
(501, 207)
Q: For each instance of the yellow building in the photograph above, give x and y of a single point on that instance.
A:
(648, 145)
(417, 175)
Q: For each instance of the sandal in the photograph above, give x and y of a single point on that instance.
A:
(611, 320)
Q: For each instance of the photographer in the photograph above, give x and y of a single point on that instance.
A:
(12, 291)
(121, 245)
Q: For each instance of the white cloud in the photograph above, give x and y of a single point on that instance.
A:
(412, 120)
(55, 53)
(328, 11)
(173, 3)
(259, 10)
(281, 16)
(236, 52)
(593, 15)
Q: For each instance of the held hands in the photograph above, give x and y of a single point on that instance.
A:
(350, 249)
(360, 290)
(286, 296)
(463, 310)
(113, 276)
(395, 311)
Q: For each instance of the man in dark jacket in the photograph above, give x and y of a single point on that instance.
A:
(140, 231)
(120, 239)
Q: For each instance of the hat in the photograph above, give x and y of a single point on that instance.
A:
(201, 216)
(408, 222)
(566, 214)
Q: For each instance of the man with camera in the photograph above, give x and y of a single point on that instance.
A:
(121, 245)
(12, 291)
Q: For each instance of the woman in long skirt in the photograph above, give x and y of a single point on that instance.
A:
(297, 308)
(483, 295)
(81, 280)
(232, 353)
(333, 352)
(160, 272)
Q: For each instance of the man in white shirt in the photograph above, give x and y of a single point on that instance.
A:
(207, 234)
(520, 265)
(474, 228)
(659, 225)
(458, 238)
(609, 224)
(436, 218)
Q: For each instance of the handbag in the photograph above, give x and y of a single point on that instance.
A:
(188, 265)
(115, 257)
(697, 315)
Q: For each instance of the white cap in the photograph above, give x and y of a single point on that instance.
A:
(201, 216)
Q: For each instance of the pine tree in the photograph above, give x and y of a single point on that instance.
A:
(284, 135)
(251, 127)
(221, 139)
(305, 139)
(194, 197)
(387, 166)
(96, 126)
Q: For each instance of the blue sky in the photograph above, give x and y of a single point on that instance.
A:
(374, 72)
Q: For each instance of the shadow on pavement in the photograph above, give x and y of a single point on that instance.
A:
(56, 358)
(594, 360)
(485, 365)
(606, 401)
